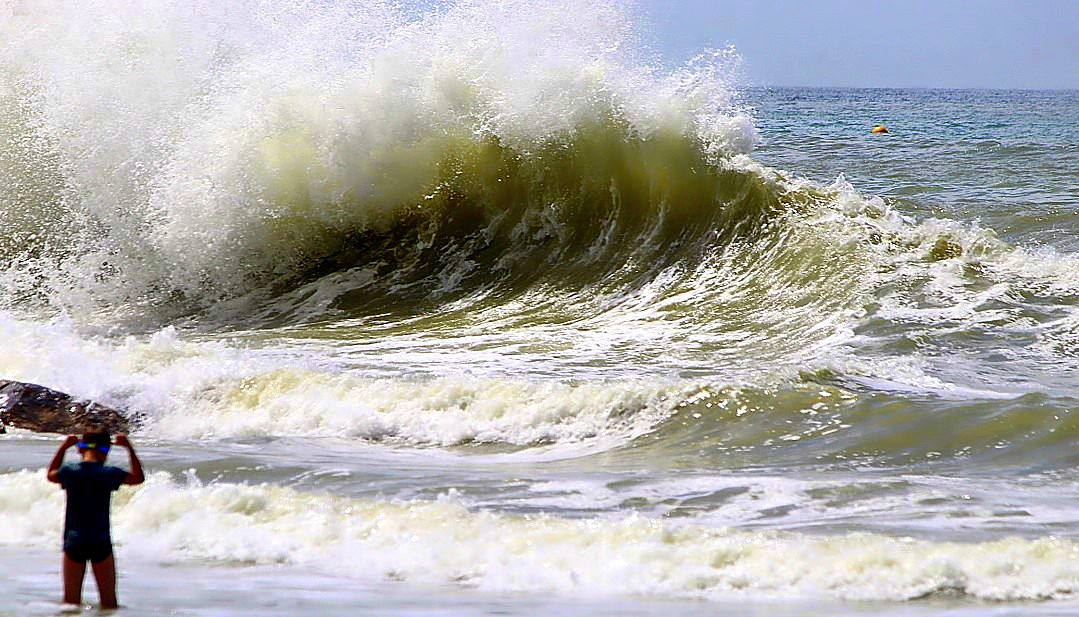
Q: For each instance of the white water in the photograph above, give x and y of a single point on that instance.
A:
(441, 542)
(729, 430)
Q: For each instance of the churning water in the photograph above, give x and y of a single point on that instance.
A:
(481, 300)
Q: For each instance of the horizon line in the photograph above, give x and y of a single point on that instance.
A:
(878, 87)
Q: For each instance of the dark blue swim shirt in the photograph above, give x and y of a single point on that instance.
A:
(89, 489)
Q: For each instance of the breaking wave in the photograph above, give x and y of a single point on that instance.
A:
(319, 203)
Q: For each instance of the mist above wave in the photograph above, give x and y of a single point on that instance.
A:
(203, 151)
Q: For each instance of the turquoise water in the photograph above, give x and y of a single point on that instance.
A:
(474, 313)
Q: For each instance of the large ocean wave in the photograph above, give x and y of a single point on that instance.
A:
(495, 222)
(176, 155)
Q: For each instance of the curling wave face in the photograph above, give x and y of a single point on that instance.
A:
(459, 218)
(219, 155)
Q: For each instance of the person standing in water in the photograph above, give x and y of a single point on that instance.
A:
(87, 534)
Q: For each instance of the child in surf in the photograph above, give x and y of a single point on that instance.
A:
(87, 534)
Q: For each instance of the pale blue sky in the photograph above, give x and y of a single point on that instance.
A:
(903, 43)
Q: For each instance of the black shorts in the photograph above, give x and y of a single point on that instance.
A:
(87, 551)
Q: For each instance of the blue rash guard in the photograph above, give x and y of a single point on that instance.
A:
(89, 486)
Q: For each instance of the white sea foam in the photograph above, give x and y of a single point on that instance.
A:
(441, 541)
(187, 389)
(208, 142)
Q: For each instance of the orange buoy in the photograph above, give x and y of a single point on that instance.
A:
(879, 129)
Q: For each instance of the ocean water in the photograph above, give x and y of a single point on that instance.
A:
(483, 309)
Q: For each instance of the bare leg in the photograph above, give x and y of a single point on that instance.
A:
(105, 575)
(73, 573)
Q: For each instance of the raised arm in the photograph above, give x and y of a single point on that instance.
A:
(135, 476)
(53, 472)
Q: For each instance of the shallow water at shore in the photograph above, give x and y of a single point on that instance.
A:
(342, 515)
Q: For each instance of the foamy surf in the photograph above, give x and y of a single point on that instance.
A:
(524, 263)
(440, 541)
(202, 388)
(446, 184)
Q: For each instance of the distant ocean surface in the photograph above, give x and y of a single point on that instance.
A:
(480, 312)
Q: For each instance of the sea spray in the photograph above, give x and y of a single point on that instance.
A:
(211, 147)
